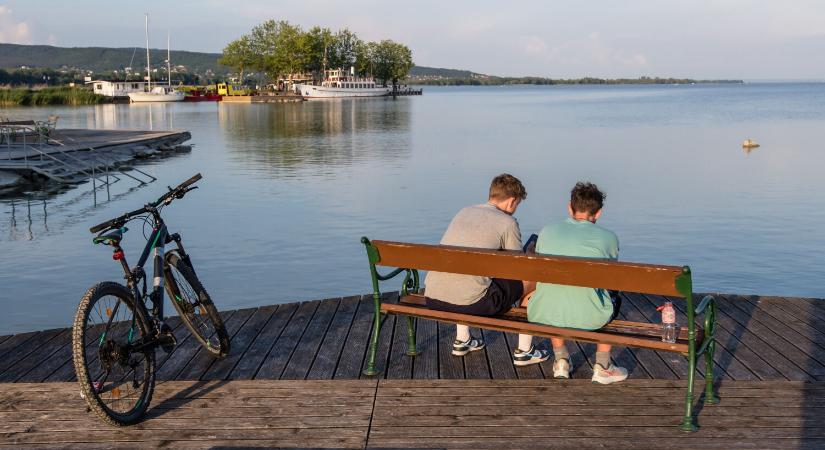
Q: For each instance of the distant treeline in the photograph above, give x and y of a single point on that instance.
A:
(484, 80)
(50, 96)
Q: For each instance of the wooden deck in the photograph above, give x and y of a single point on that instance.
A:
(760, 338)
(308, 391)
(473, 414)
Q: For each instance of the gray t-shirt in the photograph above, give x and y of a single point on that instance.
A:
(482, 226)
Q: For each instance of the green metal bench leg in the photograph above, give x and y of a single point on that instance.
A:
(411, 349)
(710, 329)
(376, 330)
(687, 421)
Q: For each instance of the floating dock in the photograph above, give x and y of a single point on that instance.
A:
(293, 379)
(70, 156)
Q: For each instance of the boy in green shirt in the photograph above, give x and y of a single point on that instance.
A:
(573, 306)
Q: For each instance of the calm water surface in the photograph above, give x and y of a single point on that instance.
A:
(289, 189)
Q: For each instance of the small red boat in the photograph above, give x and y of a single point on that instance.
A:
(196, 95)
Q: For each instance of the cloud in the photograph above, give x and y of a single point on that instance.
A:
(589, 51)
(11, 31)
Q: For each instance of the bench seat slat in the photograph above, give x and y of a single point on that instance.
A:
(508, 325)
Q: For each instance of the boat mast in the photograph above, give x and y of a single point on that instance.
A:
(168, 60)
(148, 66)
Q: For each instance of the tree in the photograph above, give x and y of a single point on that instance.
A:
(239, 55)
(344, 49)
(316, 44)
(279, 48)
(391, 61)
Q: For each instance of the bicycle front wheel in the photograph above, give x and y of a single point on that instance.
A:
(116, 377)
(195, 306)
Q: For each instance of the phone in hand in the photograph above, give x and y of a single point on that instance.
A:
(530, 245)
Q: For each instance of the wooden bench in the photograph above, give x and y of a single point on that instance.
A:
(693, 340)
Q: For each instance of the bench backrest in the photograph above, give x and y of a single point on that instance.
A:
(514, 265)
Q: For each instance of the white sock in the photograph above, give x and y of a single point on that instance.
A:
(462, 333)
(525, 341)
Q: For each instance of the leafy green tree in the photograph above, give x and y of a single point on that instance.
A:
(317, 43)
(279, 48)
(391, 61)
(344, 49)
(239, 55)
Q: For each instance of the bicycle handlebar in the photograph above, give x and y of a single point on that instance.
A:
(177, 192)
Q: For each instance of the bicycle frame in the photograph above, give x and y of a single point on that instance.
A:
(155, 247)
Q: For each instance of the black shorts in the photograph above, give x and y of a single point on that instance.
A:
(617, 304)
(500, 297)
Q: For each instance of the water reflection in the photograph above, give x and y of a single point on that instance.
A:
(318, 133)
(145, 116)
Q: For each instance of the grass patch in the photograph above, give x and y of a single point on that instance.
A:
(71, 96)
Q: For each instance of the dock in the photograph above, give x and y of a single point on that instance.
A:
(282, 98)
(71, 156)
(293, 379)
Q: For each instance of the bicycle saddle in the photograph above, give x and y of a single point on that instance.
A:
(112, 237)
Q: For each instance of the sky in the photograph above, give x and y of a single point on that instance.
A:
(703, 39)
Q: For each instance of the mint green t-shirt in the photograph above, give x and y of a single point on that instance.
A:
(573, 306)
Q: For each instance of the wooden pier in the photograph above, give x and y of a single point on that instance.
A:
(69, 156)
(293, 379)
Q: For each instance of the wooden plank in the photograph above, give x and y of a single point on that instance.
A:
(400, 365)
(737, 311)
(220, 369)
(11, 343)
(167, 366)
(809, 339)
(248, 366)
(42, 355)
(382, 354)
(273, 365)
(201, 359)
(61, 366)
(27, 347)
(449, 366)
(738, 360)
(517, 265)
(501, 324)
(352, 355)
(425, 365)
(498, 356)
(307, 347)
(323, 368)
(785, 367)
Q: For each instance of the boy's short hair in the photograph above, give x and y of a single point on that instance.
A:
(505, 186)
(586, 197)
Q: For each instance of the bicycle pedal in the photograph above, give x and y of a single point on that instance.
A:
(167, 341)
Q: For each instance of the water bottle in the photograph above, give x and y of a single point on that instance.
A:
(669, 327)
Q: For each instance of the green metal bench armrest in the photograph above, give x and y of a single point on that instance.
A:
(708, 306)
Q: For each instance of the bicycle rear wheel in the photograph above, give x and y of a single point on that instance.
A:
(116, 381)
(195, 306)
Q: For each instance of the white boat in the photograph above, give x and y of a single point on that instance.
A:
(338, 84)
(157, 93)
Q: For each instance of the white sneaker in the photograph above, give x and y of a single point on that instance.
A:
(561, 368)
(532, 356)
(471, 345)
(610, 375)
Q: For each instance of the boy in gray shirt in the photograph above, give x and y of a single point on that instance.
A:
(490, 225)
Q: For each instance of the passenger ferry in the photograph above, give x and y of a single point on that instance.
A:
(339, 84)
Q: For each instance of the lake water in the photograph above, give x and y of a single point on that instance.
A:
(289, 189)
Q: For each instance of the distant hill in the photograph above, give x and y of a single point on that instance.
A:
(102, 59)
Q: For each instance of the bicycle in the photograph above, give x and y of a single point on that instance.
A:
(115, 332)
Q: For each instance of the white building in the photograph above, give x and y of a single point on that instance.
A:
(116, 88)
